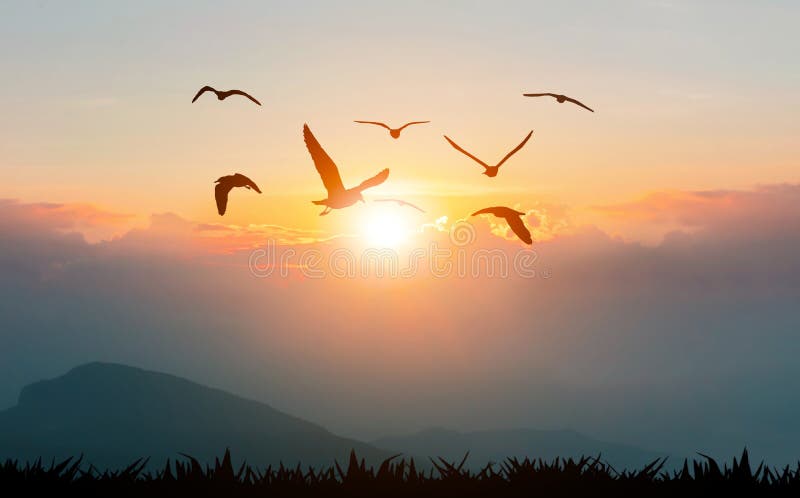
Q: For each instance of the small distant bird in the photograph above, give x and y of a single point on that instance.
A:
(225, 184)
(401, 202)
(223, 95)
(560, 98)
(338, 196)
(394, 132)
(491, 171)
(514, 219)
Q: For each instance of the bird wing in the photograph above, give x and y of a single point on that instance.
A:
(221, 195)
(243, 94)
(374, 181)
(412, 123)
(402, 203)
(247, 182)
(490, 210)
(518, 147)
(539, 95)
(374, 123)
(578, 102)
(325, 166)
(202, 91)
(519, 228)
(455, 146)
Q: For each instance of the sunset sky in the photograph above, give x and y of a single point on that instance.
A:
(689, 96)
(669, 219)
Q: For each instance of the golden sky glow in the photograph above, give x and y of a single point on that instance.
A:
(100, 110)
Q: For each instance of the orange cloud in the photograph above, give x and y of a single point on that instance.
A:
(93, 223)
(658, 213)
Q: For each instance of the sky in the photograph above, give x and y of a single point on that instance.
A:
(661, 309)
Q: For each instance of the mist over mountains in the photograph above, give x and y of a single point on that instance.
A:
(113, 414)
(683, 346)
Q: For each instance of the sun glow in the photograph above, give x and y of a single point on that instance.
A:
(386, 228)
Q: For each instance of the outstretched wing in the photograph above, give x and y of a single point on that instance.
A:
(539, 95)
(455, 146)
(402, 203)
(411, 123)
(513, 218)
(243, 94)
(519, 228)
(325, 166)
(496, 210)
(221, 195)
(577, 102)
(373, 123)
(374, 181)
(247, 182)
(202, 91)
(518, 147)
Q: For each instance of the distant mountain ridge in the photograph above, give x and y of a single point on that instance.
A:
(497, 445)
(114, 414)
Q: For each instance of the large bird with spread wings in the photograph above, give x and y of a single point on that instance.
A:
(225, 184)
(513, 218)
(338, 196)
(394, 132)
(490, 171)
(223, 94)
(559, 98)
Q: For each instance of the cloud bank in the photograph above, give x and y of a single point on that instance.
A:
(684, 345)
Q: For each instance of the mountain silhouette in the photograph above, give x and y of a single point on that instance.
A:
(114, 414)
(497, 445)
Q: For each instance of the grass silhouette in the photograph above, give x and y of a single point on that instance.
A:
(399, 477)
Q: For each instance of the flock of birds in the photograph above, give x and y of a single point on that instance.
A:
(340, 197)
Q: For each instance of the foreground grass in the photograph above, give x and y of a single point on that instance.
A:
(397, 477)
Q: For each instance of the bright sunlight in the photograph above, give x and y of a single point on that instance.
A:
(386, 227)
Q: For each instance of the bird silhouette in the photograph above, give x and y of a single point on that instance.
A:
(225, 184)
(490, 171)
(222, 95)
(394, 132)
(401, 202)
(338, 196)
(560, 98)
(513, 218)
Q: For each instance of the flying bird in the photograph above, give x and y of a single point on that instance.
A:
(223, 95)
(491, 171)
(560, 98)
(401, 202)
(225, 184)
(338, 196)
(513, 218)
(394, 132)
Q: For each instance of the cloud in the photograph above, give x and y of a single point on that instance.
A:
(90, 221)
(232, 238)
(768, 209)
(611, 337)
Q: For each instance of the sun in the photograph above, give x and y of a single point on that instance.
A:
(385, 228)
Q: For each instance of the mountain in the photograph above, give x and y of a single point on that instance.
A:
(114, 414)
(497, 445)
